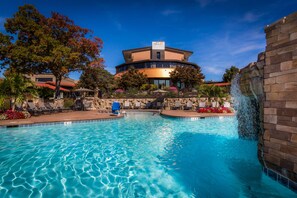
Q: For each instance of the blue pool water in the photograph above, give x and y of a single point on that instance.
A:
(141, 155)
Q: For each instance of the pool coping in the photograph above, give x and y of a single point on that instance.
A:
(43, 121)
(184, 114)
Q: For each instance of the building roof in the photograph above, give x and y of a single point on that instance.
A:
(50, 86)
(63, 83)
(219, 84)
(127, 53)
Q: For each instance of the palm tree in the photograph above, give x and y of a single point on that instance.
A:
(211, 91)
(15, 87)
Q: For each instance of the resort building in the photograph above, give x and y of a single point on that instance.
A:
(156, 61)
(48, 80)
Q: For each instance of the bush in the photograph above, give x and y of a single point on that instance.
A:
(68, 102)
(3, 117)
(12, 115)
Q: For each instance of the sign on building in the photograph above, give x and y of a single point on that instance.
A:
(158, 45)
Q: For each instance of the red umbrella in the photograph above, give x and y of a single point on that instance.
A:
(119, 91)
(173, 89)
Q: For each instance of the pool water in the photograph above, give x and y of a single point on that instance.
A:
(141, 155)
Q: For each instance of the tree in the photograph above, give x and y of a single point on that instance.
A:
(189, 76)
(96, 78)
(211, 91)
(53, 44)
(16, 87)
(230, 73)
(132, 79)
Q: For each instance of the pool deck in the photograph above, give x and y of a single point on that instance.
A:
(60, 117)
(190, 114)
(95, 115)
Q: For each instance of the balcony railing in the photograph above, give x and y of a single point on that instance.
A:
(152, 64)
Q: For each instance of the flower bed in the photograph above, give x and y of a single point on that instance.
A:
(12, 115)
(215, 110)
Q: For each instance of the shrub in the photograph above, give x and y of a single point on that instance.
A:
(3, 117)
(68, 102)
(12, 115)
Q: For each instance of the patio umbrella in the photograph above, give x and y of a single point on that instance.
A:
(119, 91)
(83, 90)
(160, 91)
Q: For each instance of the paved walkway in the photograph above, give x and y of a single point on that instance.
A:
(189, 113)
(60, 117)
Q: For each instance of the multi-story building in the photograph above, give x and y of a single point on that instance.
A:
(156, 61)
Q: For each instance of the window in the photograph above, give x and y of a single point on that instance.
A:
(43, 79)
(159, 55)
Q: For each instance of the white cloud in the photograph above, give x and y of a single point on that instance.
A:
(251, 17)
(213, 70)
(170, 12)
(118, 25)
(204, 3)
(246, 47)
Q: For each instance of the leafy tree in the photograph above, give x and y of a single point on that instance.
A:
(132, 79)
(189, 76)
(42, 44)
(16, 87)
(230, 73)
(96, 78)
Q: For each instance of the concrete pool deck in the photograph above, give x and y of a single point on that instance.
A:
(60, 117)
(95, 115)
(190, 114)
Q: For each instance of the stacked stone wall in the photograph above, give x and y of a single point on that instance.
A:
(280, 106)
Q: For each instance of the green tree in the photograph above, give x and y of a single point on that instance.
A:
(16, 87)
(230, 73)
(96, 78)
(53, 44)
(189, 76)
(132, 79)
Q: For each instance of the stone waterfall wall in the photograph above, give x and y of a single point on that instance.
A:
(250, 110)
(280, 107)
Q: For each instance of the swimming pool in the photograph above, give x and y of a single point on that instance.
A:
(141, 155)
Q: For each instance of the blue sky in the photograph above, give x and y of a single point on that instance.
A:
(221, 33)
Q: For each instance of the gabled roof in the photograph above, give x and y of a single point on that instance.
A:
(127, 53)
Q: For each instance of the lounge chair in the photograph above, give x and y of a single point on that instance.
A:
(189, 106)
(202, 104)
(43, 108)
(137, 105)
(227, 104)
(215, 104)
(115, 108)
(52, 107)
(33, 110)
(126, 105)
(159, 105)
(177, 105)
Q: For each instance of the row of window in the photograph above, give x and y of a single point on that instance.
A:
(151, 65)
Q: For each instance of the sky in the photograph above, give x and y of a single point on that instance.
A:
(220, 33)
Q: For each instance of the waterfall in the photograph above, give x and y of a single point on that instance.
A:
(247, 111)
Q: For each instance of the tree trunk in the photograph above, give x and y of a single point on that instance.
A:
(58, 85)
(12, 104)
